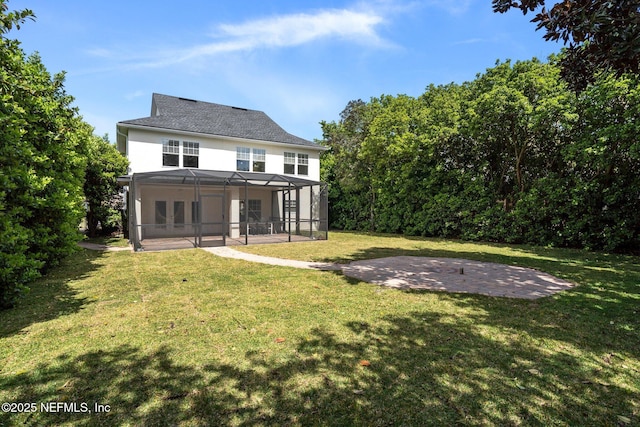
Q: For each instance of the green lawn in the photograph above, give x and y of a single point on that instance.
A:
(187, 338)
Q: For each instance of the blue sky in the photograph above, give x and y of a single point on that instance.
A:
(299, 62)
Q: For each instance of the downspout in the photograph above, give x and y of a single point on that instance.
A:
(126, 141)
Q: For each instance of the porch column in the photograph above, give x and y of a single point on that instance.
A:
(234, 213)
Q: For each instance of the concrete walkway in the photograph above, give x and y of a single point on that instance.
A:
(435, 274)
(227, 252)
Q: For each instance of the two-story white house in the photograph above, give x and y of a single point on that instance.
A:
(214, 174)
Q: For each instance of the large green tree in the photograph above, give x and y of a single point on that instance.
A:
(104, 165)
(351, 194)
(601, 35)
(512, 156)
(603, 161)
(42, 164)
(519, 116)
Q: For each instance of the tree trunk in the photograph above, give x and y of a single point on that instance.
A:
(92, 224)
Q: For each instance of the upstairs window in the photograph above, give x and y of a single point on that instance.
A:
(249, 160)
(190, 154)
(290, 163)
(303, 164)
(259, 159)
(243, 159)
(171, 153)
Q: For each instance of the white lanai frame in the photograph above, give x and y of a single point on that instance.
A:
(221, 203)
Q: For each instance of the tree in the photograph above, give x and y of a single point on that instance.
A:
(399, 146)
(512, 156)
(603, 158)
(8, 20)
(350, 192)
(42, 164)
(104, 164)
(601, 35)
(519, 116)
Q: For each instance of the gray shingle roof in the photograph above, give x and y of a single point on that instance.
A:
(181, 114)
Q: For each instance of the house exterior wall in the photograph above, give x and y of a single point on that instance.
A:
(149, 195)
(144, 150)
(220, 207)
(160, 209)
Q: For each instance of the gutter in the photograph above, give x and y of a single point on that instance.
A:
(314, 147)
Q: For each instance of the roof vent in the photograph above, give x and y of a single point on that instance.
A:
(238, 108)
(187, 99)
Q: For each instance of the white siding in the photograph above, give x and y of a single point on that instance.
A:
(144, 149)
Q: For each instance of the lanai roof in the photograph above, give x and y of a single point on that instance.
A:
(182, 114)
(211, 177)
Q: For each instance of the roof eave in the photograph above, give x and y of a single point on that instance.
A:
(229, 138)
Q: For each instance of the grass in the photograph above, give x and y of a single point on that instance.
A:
(116, 241)
(187, 338)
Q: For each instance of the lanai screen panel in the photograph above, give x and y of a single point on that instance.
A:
(299, 206)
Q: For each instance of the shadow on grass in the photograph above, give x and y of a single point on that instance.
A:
(124, 379)
(605, 301)
(50, 296)
(496, 361)
(423, 368)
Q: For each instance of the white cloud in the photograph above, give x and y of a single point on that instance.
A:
(274, 32)
(297, 29)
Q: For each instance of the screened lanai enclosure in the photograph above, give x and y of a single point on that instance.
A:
(196, 208)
